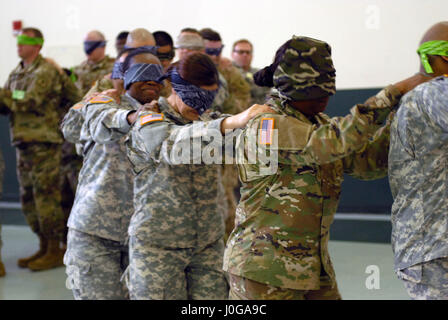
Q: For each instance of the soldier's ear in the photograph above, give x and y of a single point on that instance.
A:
(444, 58)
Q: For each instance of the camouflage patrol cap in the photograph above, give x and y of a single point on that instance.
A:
(189, 41)
(306, 70)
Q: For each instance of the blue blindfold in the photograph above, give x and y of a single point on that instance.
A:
(193, 96)
(90, 46)
(142, 72)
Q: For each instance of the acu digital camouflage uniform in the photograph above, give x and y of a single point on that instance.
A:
(97, 253)
(283, 219)
(36, 97)
(176, 245)
(86, 75)
(417, 175)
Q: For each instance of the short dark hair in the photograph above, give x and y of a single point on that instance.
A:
(191, 30)
(122, 35)
(209, 34)
(163, 38)
(36, 32)
(197, 68)
(242, 41)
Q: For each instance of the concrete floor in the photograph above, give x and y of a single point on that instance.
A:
(350, 260)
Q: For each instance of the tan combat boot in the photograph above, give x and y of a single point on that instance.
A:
(53, 258)
(23, 263)
(2, 269)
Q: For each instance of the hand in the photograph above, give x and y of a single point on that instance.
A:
(410, 83)
(241, 119)
(113, 93)
(152, 106)
(225, 63)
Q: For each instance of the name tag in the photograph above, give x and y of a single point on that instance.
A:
(18, 94)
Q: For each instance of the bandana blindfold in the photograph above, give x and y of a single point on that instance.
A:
(90, 46)
(143, 72)
(197, 98)
(436, 47)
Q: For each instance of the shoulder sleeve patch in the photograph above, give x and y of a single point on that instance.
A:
(151, 118)
(100, 99)
(266, 131)
(77, 106)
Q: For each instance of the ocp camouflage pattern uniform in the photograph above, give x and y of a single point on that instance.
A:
(87, 77)
(35, 97)
(176, 246)
(88, 73)
(97, 253)
(279, 247)
(417, 175)
(258, 94)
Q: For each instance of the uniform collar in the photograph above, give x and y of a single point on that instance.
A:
(32, 66)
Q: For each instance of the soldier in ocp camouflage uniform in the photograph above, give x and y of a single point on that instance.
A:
(97, 253)
(417, 175)
(279, 247)
(35, 96)
(242, 53)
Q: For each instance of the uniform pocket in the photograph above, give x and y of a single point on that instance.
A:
(76, 270)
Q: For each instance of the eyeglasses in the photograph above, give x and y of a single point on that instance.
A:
(243, 52)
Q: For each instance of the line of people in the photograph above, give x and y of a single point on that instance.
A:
(150, 214)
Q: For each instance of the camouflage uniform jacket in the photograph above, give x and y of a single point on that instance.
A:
(283, 219)
(239, 91)
(73, 120)
(176, 205)
(103, 202)
(87, 73)
(37, 97)
(417, 174)
(258, 94)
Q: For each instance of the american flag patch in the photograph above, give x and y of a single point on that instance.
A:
(266, 130)
(77, 106)
(100, 99)
(150, 118)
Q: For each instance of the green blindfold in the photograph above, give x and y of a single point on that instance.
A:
(436, 48)
(24, 39)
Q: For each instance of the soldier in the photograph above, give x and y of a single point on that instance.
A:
(236, 101)
(417, 175)
(279, 247)
(242, 54)
(176, 234)
(85, 76)
(97, 65)
(34, 96)
(120, 41)
(165, 50)
(97, 253)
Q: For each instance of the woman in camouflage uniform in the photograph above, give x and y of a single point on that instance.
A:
(279, 247)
